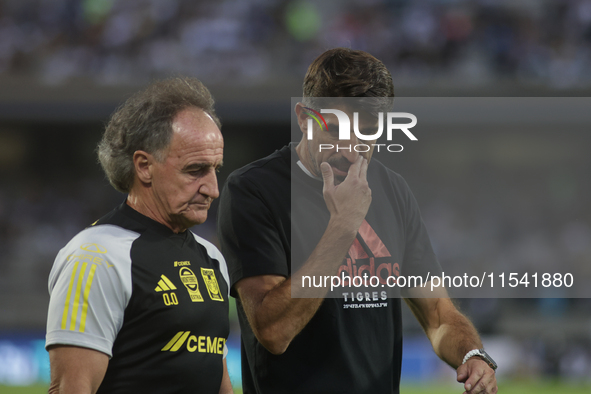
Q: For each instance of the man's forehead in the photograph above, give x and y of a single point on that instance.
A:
(195, 124)
(202, 157)
(193, 116)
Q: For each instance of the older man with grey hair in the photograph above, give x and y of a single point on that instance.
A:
(138, 302)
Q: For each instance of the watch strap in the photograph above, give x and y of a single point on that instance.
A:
(471, 353)
(482, 354)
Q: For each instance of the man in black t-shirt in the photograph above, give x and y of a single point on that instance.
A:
(348, 214)
(138, 303)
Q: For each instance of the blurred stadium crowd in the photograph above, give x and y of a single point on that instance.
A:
(260, 41)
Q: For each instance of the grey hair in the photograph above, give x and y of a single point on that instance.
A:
(144, 122)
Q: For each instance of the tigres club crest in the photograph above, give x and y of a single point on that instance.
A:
(212, 284)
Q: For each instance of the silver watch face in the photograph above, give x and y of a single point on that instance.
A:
(491, 363)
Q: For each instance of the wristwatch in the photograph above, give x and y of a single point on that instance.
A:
(482, 354)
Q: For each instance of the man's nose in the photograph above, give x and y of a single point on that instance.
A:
(347, 149)
(209, 187)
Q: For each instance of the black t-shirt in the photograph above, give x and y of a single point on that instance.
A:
(353, 344)
(156, 301)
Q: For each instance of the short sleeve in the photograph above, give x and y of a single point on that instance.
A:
(90, 287)
(249, 233)
(419, 257)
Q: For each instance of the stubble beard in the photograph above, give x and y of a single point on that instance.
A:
(315, 170)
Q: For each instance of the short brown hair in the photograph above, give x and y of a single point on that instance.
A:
(343, 72)
(144, 122)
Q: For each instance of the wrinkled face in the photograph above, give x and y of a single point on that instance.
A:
(325, 145)
(185, 183)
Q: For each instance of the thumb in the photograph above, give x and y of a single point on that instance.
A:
(462, 372)
(327, 174)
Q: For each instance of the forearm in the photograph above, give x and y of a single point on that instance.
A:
(325, 259)
(76, 370)
(278, 317)
(275, 306)
(452, 335)
(455, 337)
(281, 313)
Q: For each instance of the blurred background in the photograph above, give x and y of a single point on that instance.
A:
(490, 196)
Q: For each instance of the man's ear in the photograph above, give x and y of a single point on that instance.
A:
(142, 161)
(302, 116)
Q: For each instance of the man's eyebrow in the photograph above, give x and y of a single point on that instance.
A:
(201, 166)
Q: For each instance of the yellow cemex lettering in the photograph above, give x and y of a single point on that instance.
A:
(206, 344)
(200, 344)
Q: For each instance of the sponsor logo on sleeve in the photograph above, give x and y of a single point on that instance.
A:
(93, 258)
(94, 248)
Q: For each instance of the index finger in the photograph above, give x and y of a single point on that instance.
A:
(363, 170)
(475, 376)
(355, 168)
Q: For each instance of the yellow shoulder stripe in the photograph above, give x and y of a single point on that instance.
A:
(78, 306)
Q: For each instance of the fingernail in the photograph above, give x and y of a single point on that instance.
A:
(468, 387)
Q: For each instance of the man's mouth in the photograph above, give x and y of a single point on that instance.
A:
(339, 172)
(340, 167)
(205, 204)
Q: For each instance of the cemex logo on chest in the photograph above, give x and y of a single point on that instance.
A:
(344, 133)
